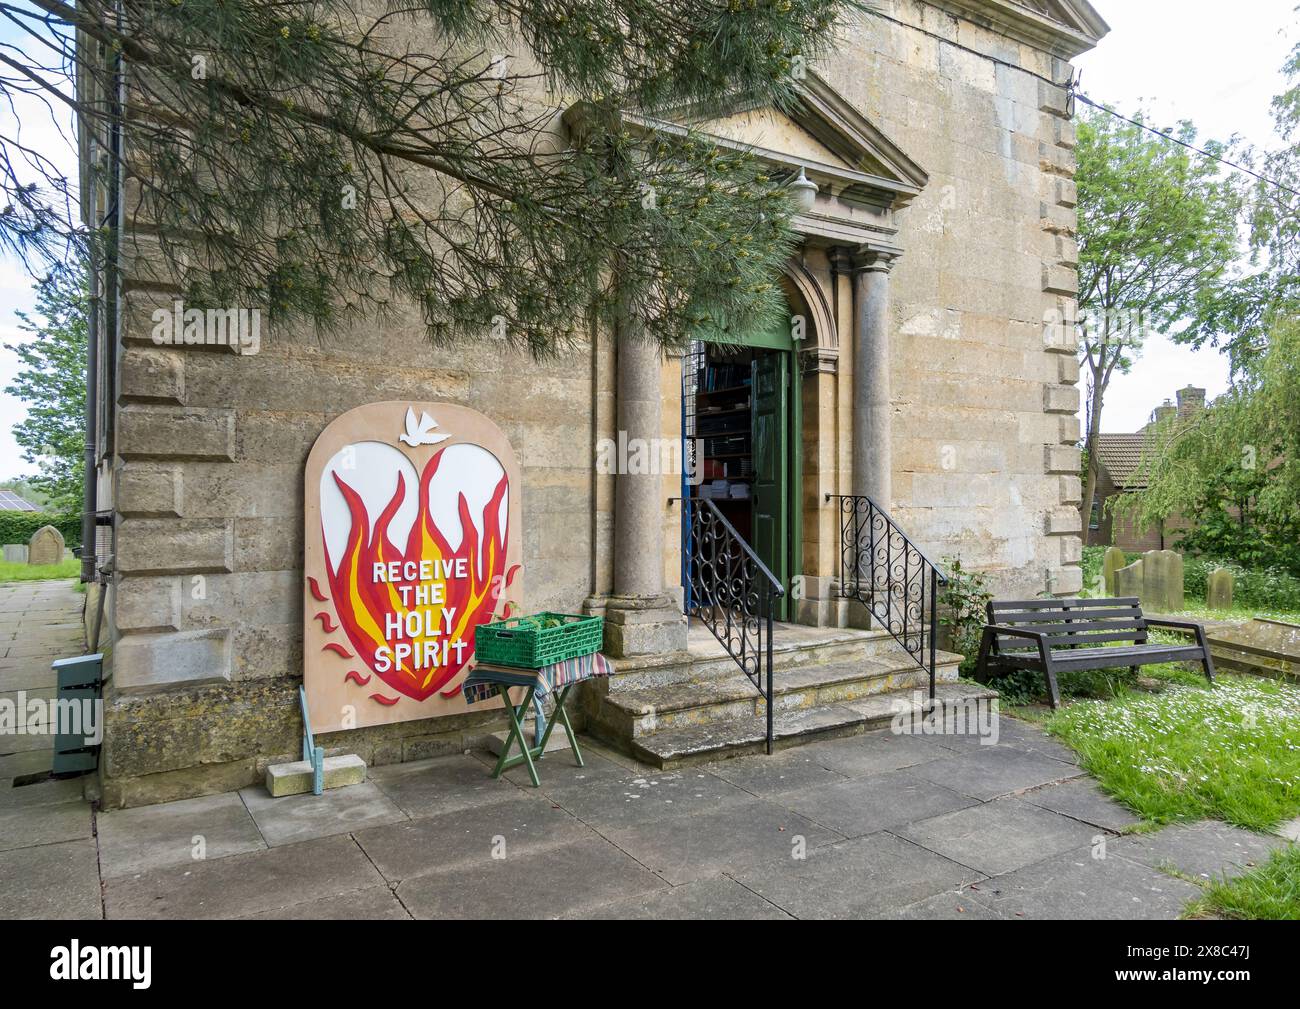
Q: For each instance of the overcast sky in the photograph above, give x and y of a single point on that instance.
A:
(1181, 59)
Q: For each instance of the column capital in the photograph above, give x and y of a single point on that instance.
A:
(841, 259)
(875, 260)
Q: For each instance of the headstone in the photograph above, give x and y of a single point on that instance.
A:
(1218, 589)
(46, 546)
(1128, 580)
(1261, 646)
(1112, 560)
(1162, 581)
(1175, 600)
(15, 553)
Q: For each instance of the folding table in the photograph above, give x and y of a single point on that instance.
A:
(488, 678)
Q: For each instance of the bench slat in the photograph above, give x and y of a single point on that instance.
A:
(1056, 604)
(1104, 658)
(1071, 616)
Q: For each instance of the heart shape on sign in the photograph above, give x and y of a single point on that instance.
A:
(415, 562)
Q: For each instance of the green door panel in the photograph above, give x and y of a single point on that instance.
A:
(771, 490)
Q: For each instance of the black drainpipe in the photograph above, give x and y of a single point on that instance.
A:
(110, 287)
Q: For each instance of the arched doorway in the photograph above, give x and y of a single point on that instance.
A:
(741, 423)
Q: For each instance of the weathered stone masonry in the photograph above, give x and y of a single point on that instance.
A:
(977, 414)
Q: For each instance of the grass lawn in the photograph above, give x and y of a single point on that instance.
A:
(1191, 752)
(1271, 891)
(11, 572)
(1197, 611)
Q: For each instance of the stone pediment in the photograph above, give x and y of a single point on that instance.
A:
(862, 176)
(1064, 28)
(820, 133)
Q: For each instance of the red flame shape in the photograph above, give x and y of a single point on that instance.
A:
(467, 582)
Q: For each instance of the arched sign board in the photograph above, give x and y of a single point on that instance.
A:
(413, 539)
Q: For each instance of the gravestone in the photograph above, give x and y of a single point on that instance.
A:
(1112, 560)
(1162, 581)
(1218, 589)
(46, 546)
(1128, 580)
(1175, 599)
(1261, 647)
(15, 553)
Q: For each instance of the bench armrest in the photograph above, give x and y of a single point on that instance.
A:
(1180, 625)
(1016, 632)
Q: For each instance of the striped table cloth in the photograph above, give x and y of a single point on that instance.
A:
(483, 679)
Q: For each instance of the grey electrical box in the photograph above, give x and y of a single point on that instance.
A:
(79, 712)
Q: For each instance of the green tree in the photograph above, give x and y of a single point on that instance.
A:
(1241, 319)
(1158, 227)
(52, 382)
(334, 159)
(1234, 470)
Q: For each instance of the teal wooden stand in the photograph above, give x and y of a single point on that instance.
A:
(528, 753)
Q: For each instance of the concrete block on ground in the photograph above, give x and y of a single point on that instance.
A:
(296, 777)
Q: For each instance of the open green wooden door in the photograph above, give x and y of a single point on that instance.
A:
(771, 390)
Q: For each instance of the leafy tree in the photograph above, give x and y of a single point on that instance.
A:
(332, 159)
(1234, 470)
(1158, 228)
(52, 381)
(1240, 318)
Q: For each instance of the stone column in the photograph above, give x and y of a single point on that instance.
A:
(872, 453)
(640, 617)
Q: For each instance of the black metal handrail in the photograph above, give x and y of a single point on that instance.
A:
(728, 589)
(891, 576)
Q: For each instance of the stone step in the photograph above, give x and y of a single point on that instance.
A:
(625, 714)
(791, 647)
(703, 743)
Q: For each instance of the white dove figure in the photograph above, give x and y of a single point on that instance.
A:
(421, 433)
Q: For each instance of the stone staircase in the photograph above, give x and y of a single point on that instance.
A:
(697, 706)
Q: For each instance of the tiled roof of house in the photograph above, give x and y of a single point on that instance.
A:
(1121, 454)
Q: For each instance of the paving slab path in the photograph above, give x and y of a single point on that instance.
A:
(874, 825)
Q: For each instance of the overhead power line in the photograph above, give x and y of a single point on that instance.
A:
(1191, 147)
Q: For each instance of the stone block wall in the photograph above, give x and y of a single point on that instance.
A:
(985, 377)
(207, 448)
(206, 609)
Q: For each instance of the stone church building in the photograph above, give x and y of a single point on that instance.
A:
(936, 376)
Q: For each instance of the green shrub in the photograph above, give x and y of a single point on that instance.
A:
(1092, 561)
(17, 527)
(963, 603)
(1269, 589)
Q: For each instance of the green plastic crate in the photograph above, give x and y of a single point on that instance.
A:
(524, 642)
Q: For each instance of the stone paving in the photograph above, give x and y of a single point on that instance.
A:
(875, 825)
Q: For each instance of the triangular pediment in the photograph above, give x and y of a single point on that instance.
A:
(1064, 28)
(773, 130)
(821, 133)
(1078, 15)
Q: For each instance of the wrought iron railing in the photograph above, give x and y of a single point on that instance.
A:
(889, 574)
(731, 592)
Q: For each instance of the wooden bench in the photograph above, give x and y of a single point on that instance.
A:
(1064, 635)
